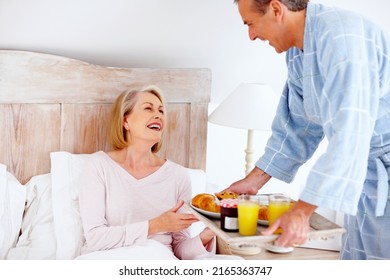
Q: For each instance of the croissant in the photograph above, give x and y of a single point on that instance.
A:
(206, 202)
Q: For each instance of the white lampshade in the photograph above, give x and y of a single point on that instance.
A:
(249, 106)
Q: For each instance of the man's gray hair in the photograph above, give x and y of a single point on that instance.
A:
(293, 5)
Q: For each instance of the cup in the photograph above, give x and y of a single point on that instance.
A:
(248, 212)
(278, 204)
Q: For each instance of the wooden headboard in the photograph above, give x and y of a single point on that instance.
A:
(51, 103)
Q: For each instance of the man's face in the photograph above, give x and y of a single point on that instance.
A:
(266, 27)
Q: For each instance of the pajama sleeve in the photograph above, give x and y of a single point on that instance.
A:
(294, 138)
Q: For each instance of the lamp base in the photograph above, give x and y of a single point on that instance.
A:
(249, 158)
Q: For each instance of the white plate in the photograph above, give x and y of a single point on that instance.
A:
(245, 249)
(263, 222)
(280, 250)
(214, 215)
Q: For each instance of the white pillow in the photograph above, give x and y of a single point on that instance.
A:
(198, 180)
(37, 240)
(152, 250)
(65, 170)
(200, 183)
(12, 200)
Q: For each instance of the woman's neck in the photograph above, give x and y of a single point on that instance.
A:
(138, 162)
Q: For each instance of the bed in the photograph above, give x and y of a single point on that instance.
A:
(53, 111)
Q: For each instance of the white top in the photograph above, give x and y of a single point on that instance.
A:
(115, 207)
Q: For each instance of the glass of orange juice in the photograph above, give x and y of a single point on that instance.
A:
(278, 205)
(248, 212)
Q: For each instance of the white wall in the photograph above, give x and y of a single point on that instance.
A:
(166, 33)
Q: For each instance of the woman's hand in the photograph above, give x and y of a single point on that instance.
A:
(295, 225)
(206, 236)
(171, 221)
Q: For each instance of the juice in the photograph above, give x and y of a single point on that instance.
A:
(276, 208)
(248, 212)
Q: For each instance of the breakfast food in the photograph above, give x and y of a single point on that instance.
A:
(263, 212)
(226, 194)
(206, 202)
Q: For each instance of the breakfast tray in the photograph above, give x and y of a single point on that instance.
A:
(321, 228)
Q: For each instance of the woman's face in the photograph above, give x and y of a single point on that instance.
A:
(146, 121)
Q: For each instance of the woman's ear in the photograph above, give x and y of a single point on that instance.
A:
(125, 123)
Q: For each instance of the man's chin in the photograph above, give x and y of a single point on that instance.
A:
(279, 50)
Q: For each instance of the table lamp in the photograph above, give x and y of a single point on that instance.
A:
(250, 106)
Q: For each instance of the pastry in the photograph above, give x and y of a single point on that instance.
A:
(226, 194)
(206, 202)
(263, 212)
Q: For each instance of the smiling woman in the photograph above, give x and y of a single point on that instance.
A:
(147, 101)
(75, 99)
(135, 130)
(123, 187)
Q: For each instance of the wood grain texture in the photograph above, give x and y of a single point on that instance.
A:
(52, 103)
(28, 77)
(28, 134)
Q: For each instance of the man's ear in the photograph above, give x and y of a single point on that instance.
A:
(277, 8)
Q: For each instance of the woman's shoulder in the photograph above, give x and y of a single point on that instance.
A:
(174, 165)
(99, 159)
(98, 155)
(176, 169)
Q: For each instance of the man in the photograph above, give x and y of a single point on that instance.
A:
(338, 86)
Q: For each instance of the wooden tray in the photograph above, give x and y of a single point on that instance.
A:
(321, 228)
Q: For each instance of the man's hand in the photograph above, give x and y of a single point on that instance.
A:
(251, 183)
(295, 225)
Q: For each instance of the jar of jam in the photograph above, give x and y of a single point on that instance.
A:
(229, 221)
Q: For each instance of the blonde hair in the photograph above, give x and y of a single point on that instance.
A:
(122, 107)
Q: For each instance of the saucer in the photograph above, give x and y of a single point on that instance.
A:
(277, 249)
(245, 249)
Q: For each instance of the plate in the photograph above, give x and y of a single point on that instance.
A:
(277, 249)
(263, 222)
(245, 249)
(210, 214)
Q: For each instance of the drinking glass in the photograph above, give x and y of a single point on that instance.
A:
(248, 212)
(278, 205)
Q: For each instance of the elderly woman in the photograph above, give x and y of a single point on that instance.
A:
(130, 195)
